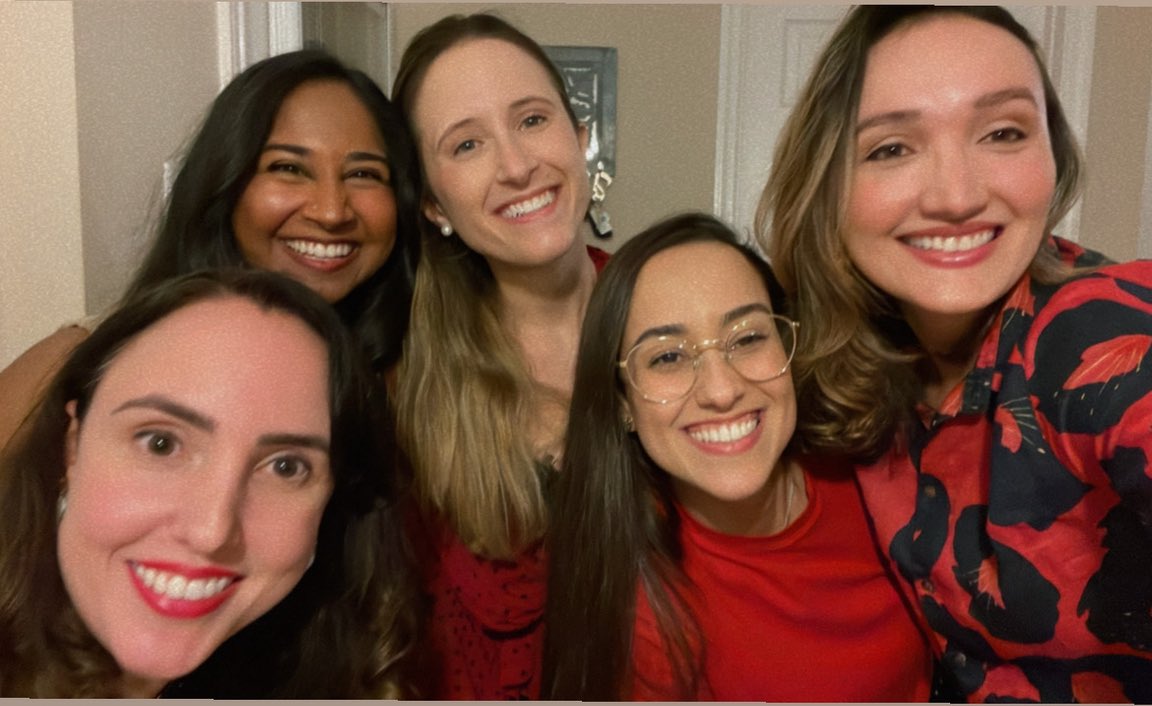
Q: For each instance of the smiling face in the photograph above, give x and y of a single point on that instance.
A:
(722, 441)
(953, 171)
(196, 483)
(319, 207)
(503, 162)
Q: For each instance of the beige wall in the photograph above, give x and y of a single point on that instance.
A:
(41, 278)
(1117, 131)
(97, 95)
(667, 62)
(145, 72)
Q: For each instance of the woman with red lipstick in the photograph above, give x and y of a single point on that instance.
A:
(693, 554)
(177, 519)
(993, 382)
(301, 166)
(483, 389)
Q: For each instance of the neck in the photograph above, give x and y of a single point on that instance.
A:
(770, 511)
(538, 293)
(950, 345)
(134, 686)
(542, 309)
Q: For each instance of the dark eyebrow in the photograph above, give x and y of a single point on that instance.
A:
(678, 329)
(294, 149)
(169, 407)
(306, 440)
(656, 331)
(742, 311)
(175, 409)
(304, 152)
(370, 156)
(987, 100)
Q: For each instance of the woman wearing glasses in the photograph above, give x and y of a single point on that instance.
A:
(693, 555)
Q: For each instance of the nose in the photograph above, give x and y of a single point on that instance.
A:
(718, 385)
(517, 160)
(210, 513)
(328, 204)
(955, 189)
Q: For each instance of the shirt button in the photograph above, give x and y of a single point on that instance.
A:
(930, 491)
(928, 586)
(959, 659)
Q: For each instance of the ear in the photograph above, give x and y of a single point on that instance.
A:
(433, 212)
(627, 418)
(72, 436)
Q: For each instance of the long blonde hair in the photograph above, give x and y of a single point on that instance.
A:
(465, 399)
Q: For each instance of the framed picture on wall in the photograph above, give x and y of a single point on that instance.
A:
(590, 74)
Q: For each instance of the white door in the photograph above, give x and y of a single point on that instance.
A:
(767, 52)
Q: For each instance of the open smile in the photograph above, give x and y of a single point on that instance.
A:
(953, 243)
(528, 206)
(182, 592)
(316, 250)
(725, 433)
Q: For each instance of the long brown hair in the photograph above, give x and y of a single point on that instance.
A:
(464, 396)
(853, 374)
(346, 628)
(615, 525)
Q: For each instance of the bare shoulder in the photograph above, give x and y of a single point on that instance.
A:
(24, 381)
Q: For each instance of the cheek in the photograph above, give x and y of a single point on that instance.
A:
(1031, 186)
(102, 516)
(377, 209)
(875, 205)
(655, 426)
(259, 212)
(281, 536)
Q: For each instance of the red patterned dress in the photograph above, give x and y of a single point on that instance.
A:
(1021, 510)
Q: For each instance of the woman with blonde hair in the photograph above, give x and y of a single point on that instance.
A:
(992, 381)
(486, 375)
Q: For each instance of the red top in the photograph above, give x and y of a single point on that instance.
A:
(808, 614)
(1021, 511)
(486, 622)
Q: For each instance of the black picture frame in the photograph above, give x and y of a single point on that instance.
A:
(590, 77)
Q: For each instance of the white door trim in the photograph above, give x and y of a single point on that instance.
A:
(247, 32)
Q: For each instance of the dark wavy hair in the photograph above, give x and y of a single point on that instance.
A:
(321, 641)
(195, 230)
(614, 523)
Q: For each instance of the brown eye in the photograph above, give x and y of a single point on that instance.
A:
(158, 443)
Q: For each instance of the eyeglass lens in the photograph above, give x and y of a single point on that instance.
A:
(760, 348)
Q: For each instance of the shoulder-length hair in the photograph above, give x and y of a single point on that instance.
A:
(195, 230)
(853, 373)
(465, 396)
(312, 644)
(615, 527)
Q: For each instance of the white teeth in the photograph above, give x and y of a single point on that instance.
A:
(320, 251)
(533, 204)
(952, 244)
(724, 433)
(179, 587)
